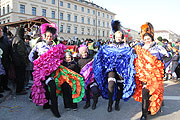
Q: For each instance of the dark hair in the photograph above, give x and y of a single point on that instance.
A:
(148, 34)
(51, 30)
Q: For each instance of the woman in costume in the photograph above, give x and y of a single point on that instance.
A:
(85, 64)
(150, 63)
(66, 88)
(47, 33)
(114, 69)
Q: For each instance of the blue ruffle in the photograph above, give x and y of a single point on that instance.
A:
(120, 59)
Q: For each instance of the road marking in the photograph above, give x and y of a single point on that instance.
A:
(171, 97)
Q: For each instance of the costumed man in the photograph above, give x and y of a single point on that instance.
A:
(45, 81)
(114, 69)
(85, 64)
(149, 64)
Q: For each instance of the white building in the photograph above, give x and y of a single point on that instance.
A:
(165, 34)
(75, 18)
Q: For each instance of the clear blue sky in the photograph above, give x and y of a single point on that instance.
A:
(163, 14)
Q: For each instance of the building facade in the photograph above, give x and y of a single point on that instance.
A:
(165, 34)
(75, 18)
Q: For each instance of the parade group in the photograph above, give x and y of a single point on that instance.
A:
(118, 70)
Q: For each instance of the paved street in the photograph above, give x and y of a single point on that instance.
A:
(20, 108)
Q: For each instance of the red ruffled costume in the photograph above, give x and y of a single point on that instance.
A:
(150, 71)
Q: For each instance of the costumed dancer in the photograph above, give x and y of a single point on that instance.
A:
(41, 78)
(85, 64)
(66, 88)
(149, 65)
(114, 69)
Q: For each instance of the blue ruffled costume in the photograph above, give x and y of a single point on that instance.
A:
(120, 59)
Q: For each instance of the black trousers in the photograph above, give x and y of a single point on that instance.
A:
(67, 96)
(20, 78)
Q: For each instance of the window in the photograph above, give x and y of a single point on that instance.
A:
(75, 30)
(98, 32)
(75, 7)
(43, 0)
(88, 31)
(61, 28)
(107, 16)
(22, 8)
(68, 29)
(93, 12)
(103, 33)
(103, 24)
(61, 16)
(98, 13)
(3, 10)
(82, 19)
(88, 21)
(7, 8)
(94, 22)
(103, 14)
(107, 33)
(44, 12)
(99, 23)
(61, 3)
(8, 21)
(68, 17)
(75, 18)
(33, 11)
(82, 9)
(68, 5)
(82, 31)
(88, 10)
(53, 1)
(108, 24)
(53, 14)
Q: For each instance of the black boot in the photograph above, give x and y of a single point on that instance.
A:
(117, 108)
(88, 98)
(95, 101)
(47, 94)
(54, 106)
(110, 101)
(145, 105)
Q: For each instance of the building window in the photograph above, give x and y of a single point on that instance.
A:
(61, 28)
(93, 12)
(88, 31)
(88, 10)
(8, 21)
(94, 22)
(108, 24)
(44, 12)
(61, 16)
(103, 14)
(107, 33)
(99, 23)
(75, 30)
(22, 8)
(53, 1)
(68, 29)
(53, 14)
(7, 8)
(68, 17)
(43, 0)
(98, 32)
(75, 7)
(103, 24)
(98, 13)
(68, 5)
(82, 19)
(93, 32)
(82, 31)
(82, 9)
(103, 33)
(107, 16)
(3, 10)
(33, 11)
(88, 21)
(61, 3)
(75, 18)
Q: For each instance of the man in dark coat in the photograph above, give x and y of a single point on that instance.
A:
(5, 46)
(20, 60)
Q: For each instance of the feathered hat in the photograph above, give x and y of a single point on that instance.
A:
(116, 26)
(49, 27)
(147, 28)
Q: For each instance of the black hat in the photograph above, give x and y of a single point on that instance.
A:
(116, 26)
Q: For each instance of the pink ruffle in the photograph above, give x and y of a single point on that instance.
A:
(44, 66)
